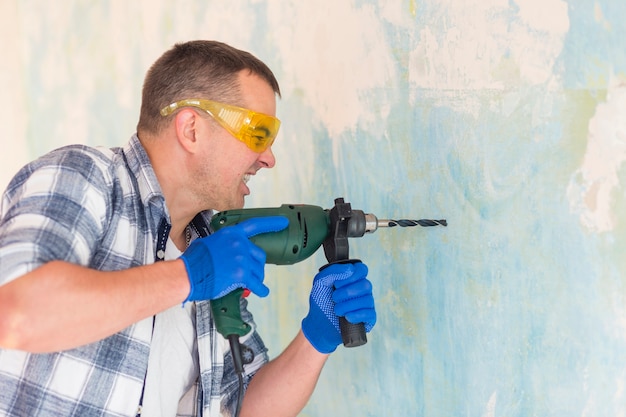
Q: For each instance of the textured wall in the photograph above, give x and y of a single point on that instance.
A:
(505, 117)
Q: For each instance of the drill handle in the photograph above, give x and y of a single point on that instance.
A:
(352, 334)
(227, 314)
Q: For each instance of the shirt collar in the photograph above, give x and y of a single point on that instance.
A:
(148, 185)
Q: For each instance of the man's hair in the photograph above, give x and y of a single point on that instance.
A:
(195, 69)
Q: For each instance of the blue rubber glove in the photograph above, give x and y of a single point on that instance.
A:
(338, 290)
(227, 259)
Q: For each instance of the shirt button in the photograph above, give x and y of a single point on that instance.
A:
(160, 254)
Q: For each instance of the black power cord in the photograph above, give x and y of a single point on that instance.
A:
(242, 355)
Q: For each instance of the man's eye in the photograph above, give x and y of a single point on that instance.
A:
(260, 133)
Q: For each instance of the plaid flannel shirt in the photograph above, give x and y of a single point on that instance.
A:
(99, 208)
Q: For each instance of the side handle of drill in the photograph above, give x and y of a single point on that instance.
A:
(337, 250)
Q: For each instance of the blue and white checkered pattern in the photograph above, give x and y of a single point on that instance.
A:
(99, 208)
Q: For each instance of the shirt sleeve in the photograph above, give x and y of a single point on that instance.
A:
(53, 209)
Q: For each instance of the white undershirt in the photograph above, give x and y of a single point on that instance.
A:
(173, 366)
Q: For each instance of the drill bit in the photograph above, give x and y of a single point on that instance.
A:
(411, 223)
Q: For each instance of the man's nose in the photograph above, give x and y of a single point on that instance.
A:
(267, 159)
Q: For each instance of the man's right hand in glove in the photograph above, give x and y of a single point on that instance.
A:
(227, 259)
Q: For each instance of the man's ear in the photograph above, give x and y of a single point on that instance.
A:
(185, 125)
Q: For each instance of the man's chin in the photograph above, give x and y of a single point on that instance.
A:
(233, 205)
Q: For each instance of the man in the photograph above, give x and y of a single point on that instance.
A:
(106, 281)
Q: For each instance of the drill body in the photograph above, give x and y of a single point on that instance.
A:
(309, 228)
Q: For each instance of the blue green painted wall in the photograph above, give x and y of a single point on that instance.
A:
(505, 117)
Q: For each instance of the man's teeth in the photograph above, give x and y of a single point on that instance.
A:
(246, 178)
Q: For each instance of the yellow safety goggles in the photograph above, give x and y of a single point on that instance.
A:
(256, 130)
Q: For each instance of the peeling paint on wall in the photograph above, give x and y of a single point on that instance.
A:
(339, 53)
(475, 50)
(591, 191)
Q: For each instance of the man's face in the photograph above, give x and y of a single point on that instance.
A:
(227, 162)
